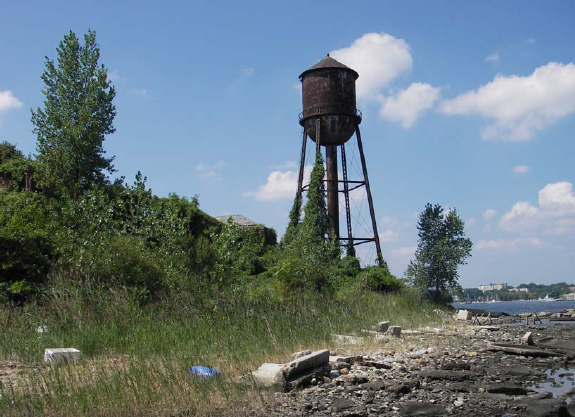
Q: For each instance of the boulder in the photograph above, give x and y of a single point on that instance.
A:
(528, 338)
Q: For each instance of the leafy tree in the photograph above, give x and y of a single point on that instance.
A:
(14, 166)
(78, 113)
(441, 249)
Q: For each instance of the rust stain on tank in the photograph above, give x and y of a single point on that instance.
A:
(329, 93)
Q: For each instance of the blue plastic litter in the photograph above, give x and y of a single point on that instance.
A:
(203, 371)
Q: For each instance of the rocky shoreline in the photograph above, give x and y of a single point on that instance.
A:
(457, 370)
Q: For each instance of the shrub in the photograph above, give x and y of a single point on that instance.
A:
(378, 279)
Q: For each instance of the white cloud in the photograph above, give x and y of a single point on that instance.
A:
(503, 245)
(471, 222)
(521, 169)
(139, 92)
(378, 58)
(407, 105)
(248, 71)
(404, 253)
(388, 236)
(520, 106)
(489, 214)
(214, 171)
(494, 57)
(8, 101)
(558, 199)
(280, 185)
(555, 213)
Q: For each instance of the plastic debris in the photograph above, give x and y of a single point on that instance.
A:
(203, 371)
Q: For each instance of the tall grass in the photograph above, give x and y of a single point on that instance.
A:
(135, 359)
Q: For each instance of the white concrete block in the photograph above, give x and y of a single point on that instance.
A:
(269, 374)
(61, 355)
(464, 315)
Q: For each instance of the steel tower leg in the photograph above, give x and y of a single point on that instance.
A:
(369, 199)
(350, 247)
(301, 166)
(332, 191)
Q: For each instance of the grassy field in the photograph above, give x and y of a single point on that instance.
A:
(135, 360)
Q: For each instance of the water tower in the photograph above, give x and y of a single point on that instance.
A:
(330, 118)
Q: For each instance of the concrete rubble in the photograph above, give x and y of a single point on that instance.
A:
(61, 355)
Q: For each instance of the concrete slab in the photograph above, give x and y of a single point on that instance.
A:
(61, 355)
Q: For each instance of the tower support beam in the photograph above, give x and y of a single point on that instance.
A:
(332, 190)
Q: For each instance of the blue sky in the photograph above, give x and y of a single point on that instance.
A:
(467, 104)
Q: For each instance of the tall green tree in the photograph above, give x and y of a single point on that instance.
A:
(442, 247)
(78, 113)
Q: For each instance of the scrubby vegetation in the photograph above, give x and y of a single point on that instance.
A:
(113, 270)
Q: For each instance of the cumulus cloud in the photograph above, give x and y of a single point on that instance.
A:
(379, 58)
(388, 236)
(407, 105)
(280, 185)
(509, 245)
(248, 71)
(489, 214)
(8, 101)
(494, 57)
(555, 213)
(404, 253)
(206, 171)
(521, 169)
(520, 106)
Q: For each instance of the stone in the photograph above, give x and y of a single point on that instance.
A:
(341, 404)
(522, 350)
(269, 375)
(507, 390)
(528, 338)
(42, 329)
(441, 374)
(464, 315)
(347, 340)
(395, 331)
(416, 409)
(61, 355)
(383, 326)
(305, 363)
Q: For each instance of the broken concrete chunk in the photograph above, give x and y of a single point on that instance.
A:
(464, 315)
(395, 331)
(308, 362)
(300, 354)
(269, 374)
(528, 339)
(383, 326)
(61, 355)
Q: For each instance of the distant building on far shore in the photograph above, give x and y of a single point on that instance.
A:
(492, 287)
(522, 289)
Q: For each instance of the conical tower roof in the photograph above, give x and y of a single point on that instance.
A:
(327, 63)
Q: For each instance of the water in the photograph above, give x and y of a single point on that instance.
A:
(559, 382)
(518, 307)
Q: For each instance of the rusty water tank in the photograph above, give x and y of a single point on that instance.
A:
(328, 93)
